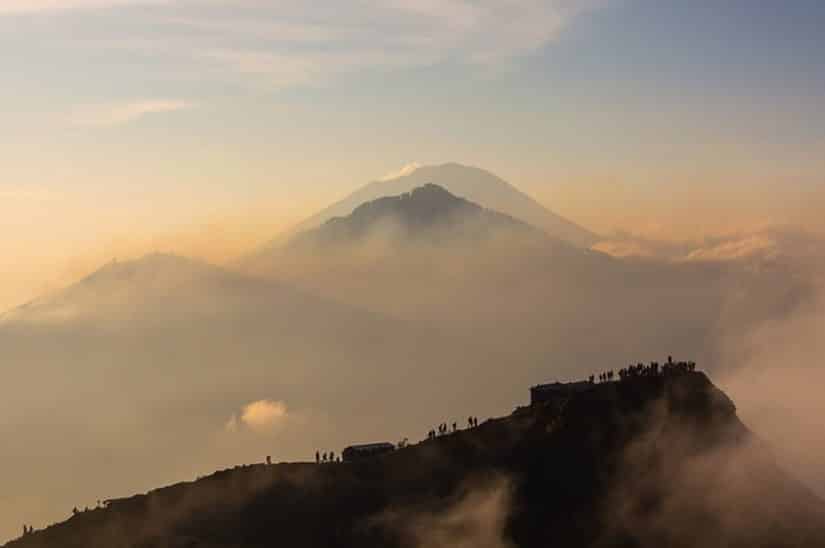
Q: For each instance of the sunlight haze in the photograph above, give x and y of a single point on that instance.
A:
(247, 231)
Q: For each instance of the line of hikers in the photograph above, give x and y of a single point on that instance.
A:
(444, 428)
(652, 370)
(441, 430)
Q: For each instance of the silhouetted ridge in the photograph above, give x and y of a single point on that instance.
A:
(424, 205)
(474, 184)
(655, 459)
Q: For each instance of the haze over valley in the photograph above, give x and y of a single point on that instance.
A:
(407, 297)
(541, 267)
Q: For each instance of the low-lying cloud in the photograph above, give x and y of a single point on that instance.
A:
(547, 313)
(672, 486)
(260, 416)
(477, 519)
(770, 364)
(765, 244)
(776, 374)
(737, 248)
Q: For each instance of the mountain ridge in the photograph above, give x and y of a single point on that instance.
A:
(564, 470)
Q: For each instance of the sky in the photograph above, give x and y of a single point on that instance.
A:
(207, 126)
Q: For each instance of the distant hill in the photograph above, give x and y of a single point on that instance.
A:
(427, 213)
(473, 184)
(123, 288)
(645, 462)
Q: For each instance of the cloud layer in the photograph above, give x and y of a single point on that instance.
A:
(766, 244)
(478, 519)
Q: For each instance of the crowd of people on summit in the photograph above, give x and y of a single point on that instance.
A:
(444, 428)
(629, 372)
(642, 370)
(632, 371)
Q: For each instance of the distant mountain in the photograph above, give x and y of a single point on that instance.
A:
(190, 319)
(646, 462)
(429, 255)
(474, 184)
(435, 258)
(427, 213)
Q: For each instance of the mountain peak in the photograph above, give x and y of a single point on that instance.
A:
(431, 189)
(427, 201)
(428, 212)
(472, 183)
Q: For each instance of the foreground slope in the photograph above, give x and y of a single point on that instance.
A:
(651, 461)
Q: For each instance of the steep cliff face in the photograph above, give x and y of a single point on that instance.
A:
(649, 461)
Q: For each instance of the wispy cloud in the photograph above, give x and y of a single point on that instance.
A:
(288, 43)
(107, 115)
(396, 33)
(28, 6)
(404, 170)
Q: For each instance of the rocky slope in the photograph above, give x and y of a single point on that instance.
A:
(648, 461)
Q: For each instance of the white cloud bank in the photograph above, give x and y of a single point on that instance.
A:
(765, 244)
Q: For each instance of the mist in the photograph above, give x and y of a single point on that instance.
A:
(476, 517)
(164, 369)
(237, 232)
(710, 484)
(778, 385)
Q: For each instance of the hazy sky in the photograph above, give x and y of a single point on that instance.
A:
(205, 126)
